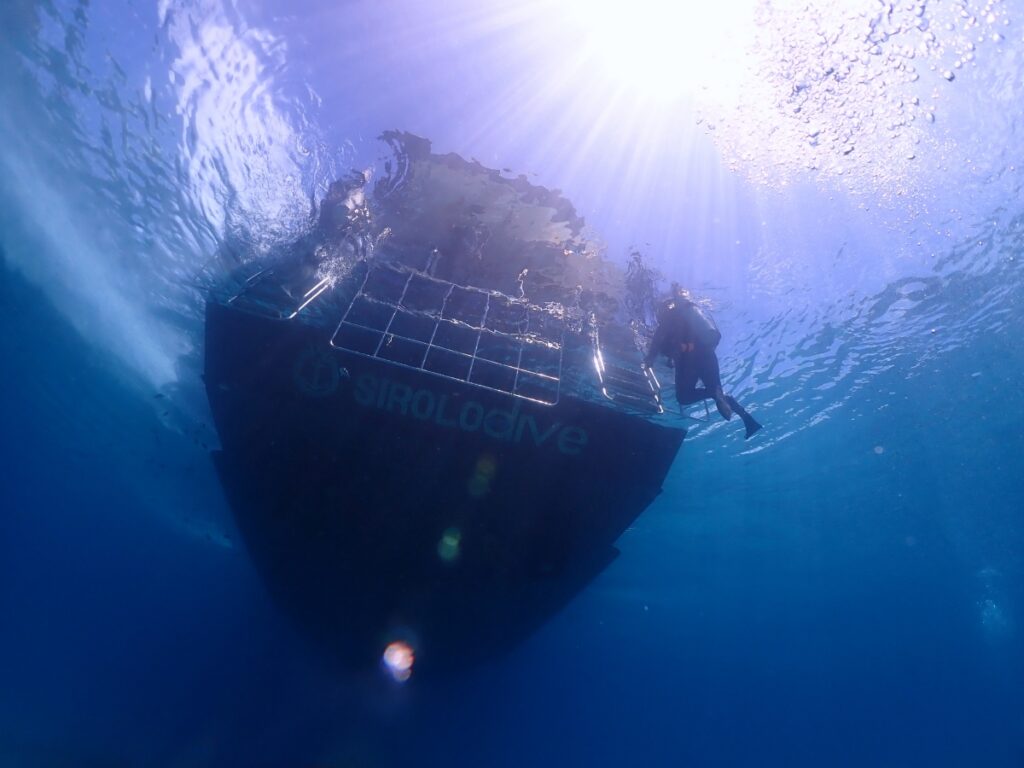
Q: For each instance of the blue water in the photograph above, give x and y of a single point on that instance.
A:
(845, 589)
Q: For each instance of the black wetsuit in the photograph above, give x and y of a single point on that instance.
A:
(693, 358)
(689, 341)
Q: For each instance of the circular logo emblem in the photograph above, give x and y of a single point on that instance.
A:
(316, 372)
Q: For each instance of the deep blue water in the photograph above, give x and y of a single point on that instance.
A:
(845, 589)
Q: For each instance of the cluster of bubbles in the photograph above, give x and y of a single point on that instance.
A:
(850, 89)
(995, 621)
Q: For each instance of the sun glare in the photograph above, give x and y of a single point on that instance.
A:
(664, 49)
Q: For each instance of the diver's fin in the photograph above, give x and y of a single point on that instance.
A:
(753, 427)
(749, 421)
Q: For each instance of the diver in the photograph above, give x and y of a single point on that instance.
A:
(688, 335)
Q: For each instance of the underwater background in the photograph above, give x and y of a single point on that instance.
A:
(841, 181)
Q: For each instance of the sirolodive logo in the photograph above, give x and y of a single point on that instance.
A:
(508, 425)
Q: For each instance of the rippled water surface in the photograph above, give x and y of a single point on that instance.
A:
(840, 181)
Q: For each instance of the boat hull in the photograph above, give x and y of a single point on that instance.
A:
(381, 503)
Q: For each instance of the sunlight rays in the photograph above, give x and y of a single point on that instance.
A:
(844, 92)
(665, 50)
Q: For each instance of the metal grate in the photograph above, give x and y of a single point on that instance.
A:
(478, 337)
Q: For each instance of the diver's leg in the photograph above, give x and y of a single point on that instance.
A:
(748, 421)
(712, 378)
(687, 392)
(693, 395)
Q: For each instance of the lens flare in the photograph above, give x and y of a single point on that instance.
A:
(449, 545)
(398, 659)
(479, 484)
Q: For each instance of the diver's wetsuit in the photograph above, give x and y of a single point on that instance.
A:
(701, 363)
(684, 336)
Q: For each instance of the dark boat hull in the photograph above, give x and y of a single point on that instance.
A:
(381, 503)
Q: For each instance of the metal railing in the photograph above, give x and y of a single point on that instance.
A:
(477, 337)
(280, 302)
